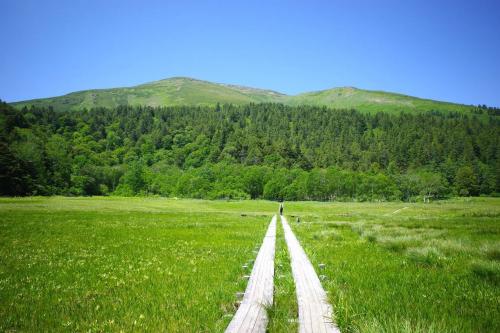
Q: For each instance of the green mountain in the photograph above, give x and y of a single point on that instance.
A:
(187, 91)
(372, 101)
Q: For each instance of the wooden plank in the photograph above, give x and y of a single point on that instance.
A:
(315, 313)
(252, 315)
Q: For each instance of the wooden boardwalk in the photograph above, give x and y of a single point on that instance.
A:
(252, 315)
(315, 313)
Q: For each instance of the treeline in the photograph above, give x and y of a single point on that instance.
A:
(231, 181)
(267, 151)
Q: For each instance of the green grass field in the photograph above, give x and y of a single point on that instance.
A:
(152, 264)
(424, 268)
(104, 264)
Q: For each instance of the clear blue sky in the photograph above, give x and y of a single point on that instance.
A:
(445, 50)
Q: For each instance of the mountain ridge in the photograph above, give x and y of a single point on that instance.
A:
(190, 91)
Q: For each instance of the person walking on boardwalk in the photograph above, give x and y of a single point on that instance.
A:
(281, 208)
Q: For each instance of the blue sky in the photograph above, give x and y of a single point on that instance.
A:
(445, 50)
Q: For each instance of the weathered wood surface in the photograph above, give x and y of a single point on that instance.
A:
(315, 313)
(252, 315)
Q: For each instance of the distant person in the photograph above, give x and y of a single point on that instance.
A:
(281, 208)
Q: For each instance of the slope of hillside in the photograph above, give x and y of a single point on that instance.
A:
(173, 91)
(187, 91)
(371, 101)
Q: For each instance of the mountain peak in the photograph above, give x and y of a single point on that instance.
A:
(174, 79)
(181, 90)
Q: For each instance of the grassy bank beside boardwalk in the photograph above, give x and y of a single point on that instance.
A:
(122, 264)
(397, 267)
(154, 264)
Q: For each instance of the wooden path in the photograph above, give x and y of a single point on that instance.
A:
(315, 313)
(252, 315)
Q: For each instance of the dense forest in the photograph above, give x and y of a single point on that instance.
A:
(267, 151)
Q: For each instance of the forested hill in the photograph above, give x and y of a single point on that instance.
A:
(186, 91)
(254, 151)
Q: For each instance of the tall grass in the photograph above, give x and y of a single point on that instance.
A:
(487, 270)
(283, 315)
(111, 265)
(152, 264)
(430, 268)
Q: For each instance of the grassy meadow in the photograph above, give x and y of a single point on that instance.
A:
(152, 264)
(399, 267)
(106, 264)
